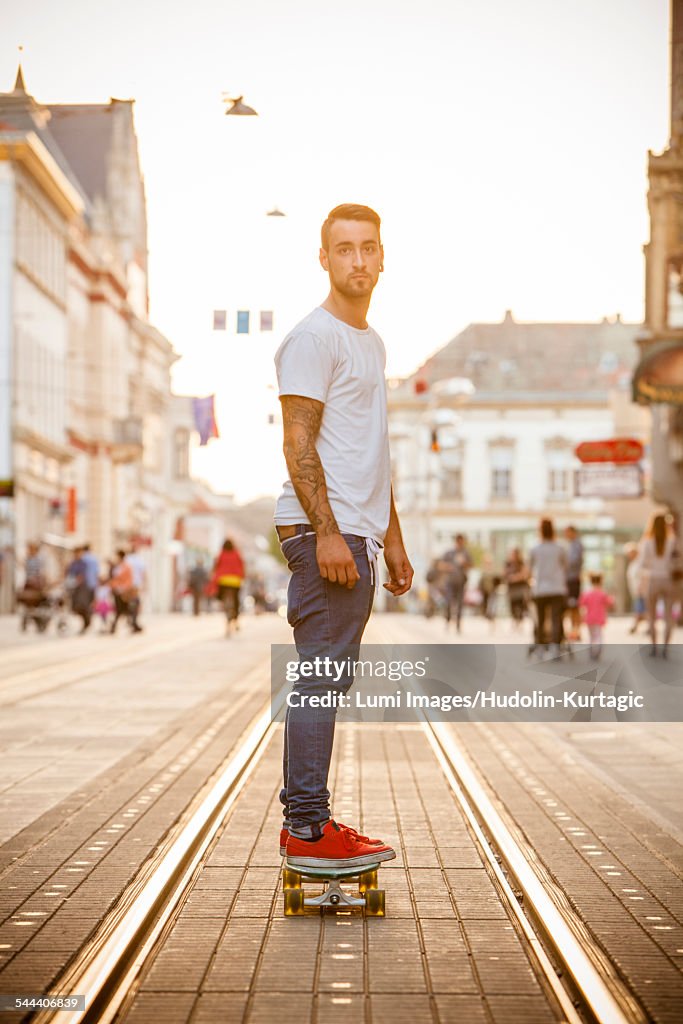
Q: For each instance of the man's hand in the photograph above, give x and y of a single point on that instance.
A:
(400, 570)
(335, 560)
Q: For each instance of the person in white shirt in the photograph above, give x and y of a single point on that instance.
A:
(659, 562)
(335, 514)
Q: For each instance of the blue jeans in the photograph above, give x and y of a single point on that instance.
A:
(328, 619)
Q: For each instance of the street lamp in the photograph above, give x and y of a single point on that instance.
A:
(237, 107)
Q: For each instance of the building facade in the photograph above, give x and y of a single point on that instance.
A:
(484, 436)
(658, 378)
(87, 438)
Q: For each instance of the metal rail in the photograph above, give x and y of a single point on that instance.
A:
(107, 967)
(603, 994)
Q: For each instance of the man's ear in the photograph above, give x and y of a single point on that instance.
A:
(324, 261)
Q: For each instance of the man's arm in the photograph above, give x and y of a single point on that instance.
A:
(400, 569)
(301, 418)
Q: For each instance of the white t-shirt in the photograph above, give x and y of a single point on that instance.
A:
(343, 367)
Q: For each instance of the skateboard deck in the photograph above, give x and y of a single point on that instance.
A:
(369, 898)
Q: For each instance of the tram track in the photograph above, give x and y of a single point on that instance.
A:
(582, 983)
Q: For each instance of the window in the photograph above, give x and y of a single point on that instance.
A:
(451, 483)
(181, 454)
(559, 473)
(501, 471)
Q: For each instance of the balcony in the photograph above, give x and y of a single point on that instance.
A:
(127, 440)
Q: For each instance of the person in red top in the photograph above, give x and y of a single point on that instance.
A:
(228, 573)
(595, 603)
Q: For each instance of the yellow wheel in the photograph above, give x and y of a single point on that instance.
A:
(294, 902)
(374, 902)
(291, 879)
(368, 880)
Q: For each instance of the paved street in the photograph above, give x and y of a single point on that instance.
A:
(107, 740)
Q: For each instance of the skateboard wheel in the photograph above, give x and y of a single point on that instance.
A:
(368, 880)
(374, 902)
(294, 902)
(291, 879)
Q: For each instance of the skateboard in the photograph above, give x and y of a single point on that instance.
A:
(369, 898)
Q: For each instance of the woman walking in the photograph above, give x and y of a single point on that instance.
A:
(548, 563)
(228, 573)
(516, 576)
(659, 562)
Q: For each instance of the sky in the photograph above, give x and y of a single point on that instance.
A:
(503, 144)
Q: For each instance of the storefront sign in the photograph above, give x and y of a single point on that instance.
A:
(618, 449)
(609, 481)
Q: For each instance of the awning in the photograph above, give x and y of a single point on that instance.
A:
(658, 377)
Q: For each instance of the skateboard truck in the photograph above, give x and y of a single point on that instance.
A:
(369, 899)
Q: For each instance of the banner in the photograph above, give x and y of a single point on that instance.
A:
(219, 320)
(243, 321)
(205, 418)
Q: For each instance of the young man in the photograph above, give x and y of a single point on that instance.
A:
(574, 573)
(335, 514)
(455, 565)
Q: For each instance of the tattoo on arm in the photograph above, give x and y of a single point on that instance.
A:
(301, 419)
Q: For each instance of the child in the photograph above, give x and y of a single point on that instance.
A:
(595, 604)
(104, 604)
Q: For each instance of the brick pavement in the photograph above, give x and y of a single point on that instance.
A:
(600, 803)
(99, 769)
(446, 951)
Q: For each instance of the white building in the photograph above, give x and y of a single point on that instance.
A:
(483, 439)
(88, 443)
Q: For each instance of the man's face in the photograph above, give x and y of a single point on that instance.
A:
(353, 258)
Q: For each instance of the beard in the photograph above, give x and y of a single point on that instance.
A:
(354, 287)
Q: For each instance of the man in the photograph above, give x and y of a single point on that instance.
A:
(334, 515)
(455, 565)
(197, 580)
(80, 593)
(574, 570)
(137, 564)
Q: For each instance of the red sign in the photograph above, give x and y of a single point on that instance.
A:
(71, 510)
(618, 449)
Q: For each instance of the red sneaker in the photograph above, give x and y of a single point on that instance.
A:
(337, 848)
(284, 836)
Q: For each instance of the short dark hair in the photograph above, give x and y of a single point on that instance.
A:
(596, 579)
(547, 529)
(347, 211)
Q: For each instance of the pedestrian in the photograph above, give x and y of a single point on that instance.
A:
(634, 583)
(228, 574)
(77, 581)
(197, 581)
(548, 564)
(574, 572)
(35, 570)
(595, 603)
(487, 586)
(516, 578)
(661, 568)
(125, 592)
(140, 583)
(455, 564)
(103, 605)
(335, 513)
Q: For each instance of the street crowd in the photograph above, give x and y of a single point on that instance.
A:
(550, 584)
(113, 590)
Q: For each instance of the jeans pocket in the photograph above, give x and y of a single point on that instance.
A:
(295, 593)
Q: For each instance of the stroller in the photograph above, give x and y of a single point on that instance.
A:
(40, 606)
(541, 645)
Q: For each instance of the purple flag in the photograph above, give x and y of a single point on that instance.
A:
(205, 418)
